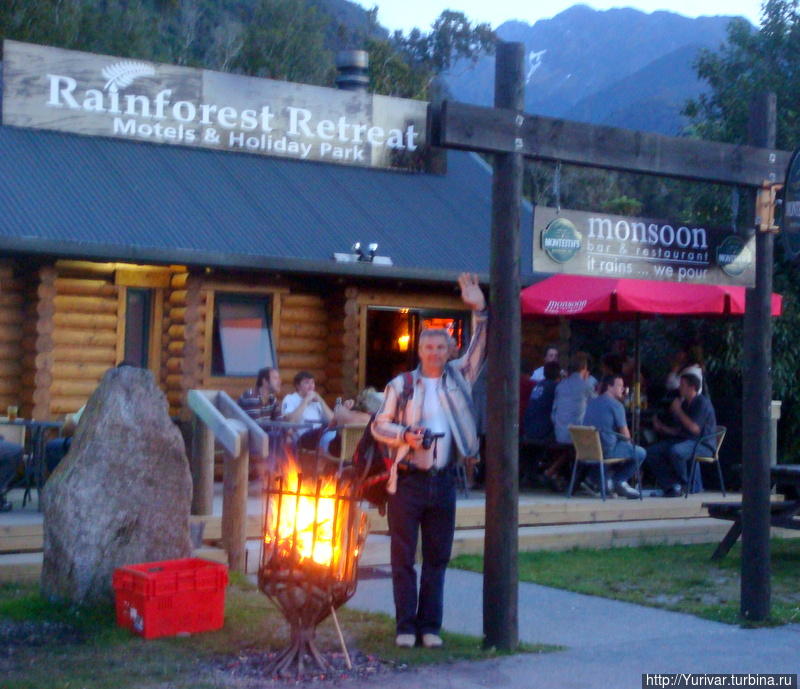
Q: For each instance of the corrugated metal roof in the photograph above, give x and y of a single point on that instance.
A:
(118, 200)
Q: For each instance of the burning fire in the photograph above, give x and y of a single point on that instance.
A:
(302, 519)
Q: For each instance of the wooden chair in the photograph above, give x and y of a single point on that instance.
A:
(350, 435)
(15, 433)
(588, 449)
(702, 455)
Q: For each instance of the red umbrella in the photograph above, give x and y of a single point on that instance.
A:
(593, 298)
(611, 299)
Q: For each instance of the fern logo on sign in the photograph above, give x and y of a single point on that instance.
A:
(561, 240)
(122, 74)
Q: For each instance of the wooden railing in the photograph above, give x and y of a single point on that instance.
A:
(216, 417)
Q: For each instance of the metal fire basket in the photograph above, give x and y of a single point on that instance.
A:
(313, 534)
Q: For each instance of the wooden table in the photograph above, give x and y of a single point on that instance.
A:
(783, 513)
(280, 432)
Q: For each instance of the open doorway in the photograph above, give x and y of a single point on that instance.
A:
(392, 338)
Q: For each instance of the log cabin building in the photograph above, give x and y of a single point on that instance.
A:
(205, 265)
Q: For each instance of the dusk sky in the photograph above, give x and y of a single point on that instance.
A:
(405, 15)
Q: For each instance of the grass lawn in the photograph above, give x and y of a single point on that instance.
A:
(53, 646)
(674, 577)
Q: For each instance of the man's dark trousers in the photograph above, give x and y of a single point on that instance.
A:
(424, 501)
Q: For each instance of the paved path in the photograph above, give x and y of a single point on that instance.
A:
(609, 644)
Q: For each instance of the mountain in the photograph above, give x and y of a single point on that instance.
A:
(619, 67)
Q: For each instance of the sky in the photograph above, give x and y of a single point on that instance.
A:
(406, 14)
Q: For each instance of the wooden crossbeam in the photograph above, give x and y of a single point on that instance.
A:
(495, 130)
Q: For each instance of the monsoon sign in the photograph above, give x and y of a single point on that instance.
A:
(97, 95)
(603, 245)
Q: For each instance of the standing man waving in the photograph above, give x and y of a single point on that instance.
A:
(422, 491)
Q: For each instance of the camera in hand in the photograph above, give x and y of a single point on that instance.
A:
(428, 436)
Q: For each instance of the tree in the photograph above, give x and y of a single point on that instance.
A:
(127, 29)
(406, 65)
(751, 62)
(284, 39)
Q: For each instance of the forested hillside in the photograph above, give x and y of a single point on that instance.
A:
(291, 40)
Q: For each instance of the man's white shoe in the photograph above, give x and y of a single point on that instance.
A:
(405, 640)
(432, 641)
(625, 491)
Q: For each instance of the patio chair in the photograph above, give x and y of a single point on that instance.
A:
(589, 450)
(15, 433)
(350, 435)
(702, 455)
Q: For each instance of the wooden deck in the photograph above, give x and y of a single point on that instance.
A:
(547, 521)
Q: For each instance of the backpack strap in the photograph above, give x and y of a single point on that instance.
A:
(408, 390)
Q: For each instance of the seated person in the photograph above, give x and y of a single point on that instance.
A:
(10, 461)
(306, 405)
(538, 424)
(692, 417)
(262, 400)
(572, 394)
(358, 411)
(688, 360)
(55, 450)
(550, 355)
(606, 413)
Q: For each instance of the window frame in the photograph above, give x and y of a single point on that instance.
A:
(240, 296)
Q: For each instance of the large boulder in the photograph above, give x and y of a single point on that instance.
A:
(121, 495)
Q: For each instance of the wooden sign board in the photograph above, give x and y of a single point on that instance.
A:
(137, 100)
(603, 245)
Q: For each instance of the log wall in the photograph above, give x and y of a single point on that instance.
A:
(62, 327)
(336, 381)
(183, 338)
(85, 333)
(12, 315)
(304, 342)
(351, 347)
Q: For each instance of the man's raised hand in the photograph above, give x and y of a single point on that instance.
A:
(471, 293)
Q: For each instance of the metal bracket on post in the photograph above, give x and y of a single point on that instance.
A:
(766, 202)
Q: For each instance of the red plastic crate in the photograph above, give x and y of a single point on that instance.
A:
(170, 597)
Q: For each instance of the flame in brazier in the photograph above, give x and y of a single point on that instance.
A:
(314, 532)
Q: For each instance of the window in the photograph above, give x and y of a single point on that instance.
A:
(138, 314)
(242, 338)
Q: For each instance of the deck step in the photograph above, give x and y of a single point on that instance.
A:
(21, 531)
(28, 566)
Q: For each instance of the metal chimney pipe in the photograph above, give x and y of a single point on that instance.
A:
(352, 66)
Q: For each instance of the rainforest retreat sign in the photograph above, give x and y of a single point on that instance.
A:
(602, 245)
(136, 100)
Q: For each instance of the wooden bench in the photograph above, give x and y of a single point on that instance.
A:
(782, 513)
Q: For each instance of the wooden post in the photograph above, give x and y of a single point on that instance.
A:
(234, 501)
(757, 397)
(201, 461)
(500, 586)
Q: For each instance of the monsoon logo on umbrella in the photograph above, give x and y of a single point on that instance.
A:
(561, 240)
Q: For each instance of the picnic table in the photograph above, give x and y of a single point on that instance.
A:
(783, 513)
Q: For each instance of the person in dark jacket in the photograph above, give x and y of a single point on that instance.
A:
(538, 424)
